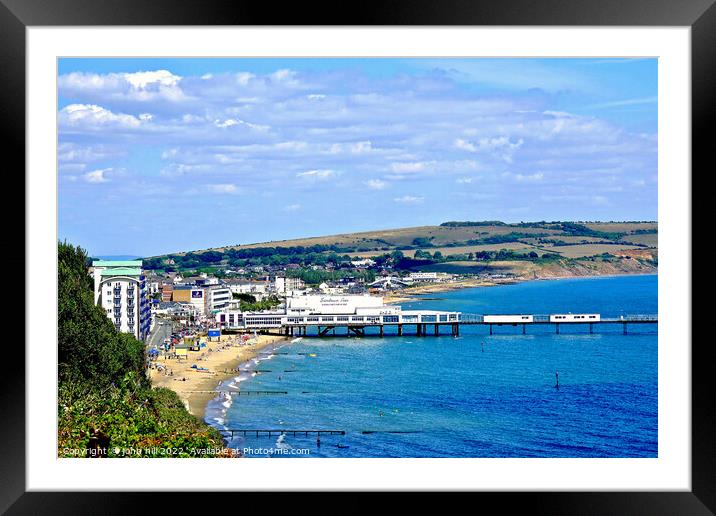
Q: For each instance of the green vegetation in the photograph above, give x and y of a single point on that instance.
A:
(317, 276)
(105, 402)
(331, 254)
(248, 298)
(257, 306)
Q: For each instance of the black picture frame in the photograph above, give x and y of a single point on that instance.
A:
(699, 15)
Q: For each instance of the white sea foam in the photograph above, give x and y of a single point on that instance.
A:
(280, 442)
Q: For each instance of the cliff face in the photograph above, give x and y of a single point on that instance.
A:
(622, 266)
(625, 262)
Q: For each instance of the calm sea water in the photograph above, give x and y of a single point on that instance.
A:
(478, 395)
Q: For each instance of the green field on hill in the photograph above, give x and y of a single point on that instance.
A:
(466, 243)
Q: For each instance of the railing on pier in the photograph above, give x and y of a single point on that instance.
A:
(279, 431)
(640, 317)
(470, 318)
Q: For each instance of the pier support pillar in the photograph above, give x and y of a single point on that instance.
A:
(490, 329)
(419, 329)
(400, 330)
(524, 328)
(437, 330)
(625, 332)
(381, 330)
(591, 330)
(557, 326)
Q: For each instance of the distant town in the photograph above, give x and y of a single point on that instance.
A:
(223, 287)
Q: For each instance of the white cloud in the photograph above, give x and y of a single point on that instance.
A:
(181, 169)
(376, 184)
(463, 180)
(402, 168)
(351, 148)
(622, 103)
(141, 80)
(500, 146)
(465, 145)
(408, 199)
(222, 124)
(524, 178)
(285, 77)
(226, 123)
(82, 154)
(91, 115)
(317, 174)
(97, 176)
(292, 207)
(138, 86)
(291, 146)
(225, 188)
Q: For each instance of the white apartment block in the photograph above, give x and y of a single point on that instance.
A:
(218, 298)
(284, 286)
(120, 289)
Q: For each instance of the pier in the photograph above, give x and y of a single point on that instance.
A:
(423, 323)
(279, 431)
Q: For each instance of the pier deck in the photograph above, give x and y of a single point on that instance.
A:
(421, 321)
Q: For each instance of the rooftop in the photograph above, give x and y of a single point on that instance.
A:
(117, 263)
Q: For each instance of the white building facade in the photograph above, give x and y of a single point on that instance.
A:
(284, 285)
(120, 289)
(218, 298)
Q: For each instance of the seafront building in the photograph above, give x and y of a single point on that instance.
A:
(205, 299)
(328, 310)
(259, 289)
(120, 289)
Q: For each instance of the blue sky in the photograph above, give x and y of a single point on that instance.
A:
(164, 155)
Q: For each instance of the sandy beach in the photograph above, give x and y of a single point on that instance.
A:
(408, 294)
(197, 388)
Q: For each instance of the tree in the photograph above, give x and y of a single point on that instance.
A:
(89, 347)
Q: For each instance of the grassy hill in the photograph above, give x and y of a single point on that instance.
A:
(463, 241)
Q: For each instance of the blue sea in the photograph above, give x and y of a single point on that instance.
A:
(477, 395)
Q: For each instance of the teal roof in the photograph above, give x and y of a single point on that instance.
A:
(122, 271)
(117, 263)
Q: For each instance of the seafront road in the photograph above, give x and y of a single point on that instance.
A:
(162, 330)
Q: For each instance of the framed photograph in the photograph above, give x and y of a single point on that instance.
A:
(410, 249)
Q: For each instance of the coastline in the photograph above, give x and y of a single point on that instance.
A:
(220, 358)
(414, 293)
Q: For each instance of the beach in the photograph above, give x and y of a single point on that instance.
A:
(408, 294)
(220, 358)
